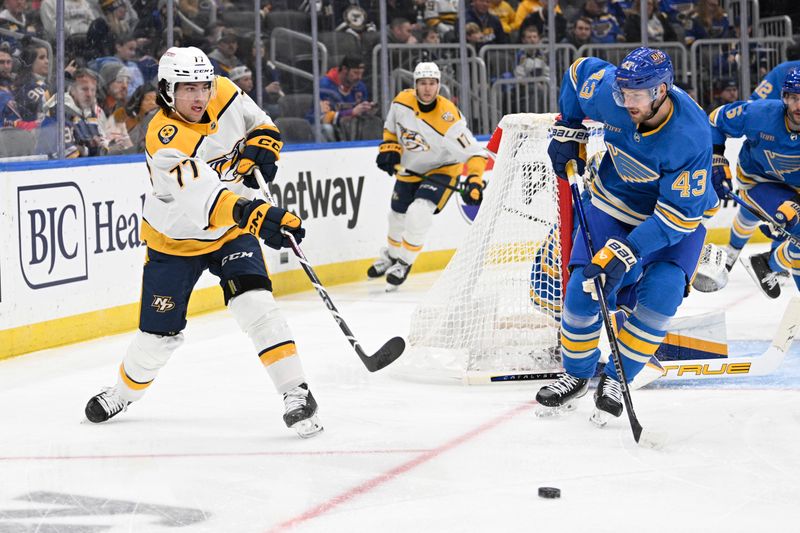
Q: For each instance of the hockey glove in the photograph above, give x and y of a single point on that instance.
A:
(473, 191)
(388, 156)
(568, 143)
(261, 149)
(612, 262)
(720, 172)
(266, 221)
(786, 217)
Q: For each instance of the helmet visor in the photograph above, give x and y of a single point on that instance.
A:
(633, 97)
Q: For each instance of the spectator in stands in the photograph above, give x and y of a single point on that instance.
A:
(224, 55)
(78, 16)
(726, 91)
(84, 121)
(344, 98)
(430, 36)
(490, 26)
(442, 15)
(140, 110)
(659, 28)
(8, 109)
(538, 18)
(13, 17)
(531, 63)
(31, 89)
(400, 32)
(270, 76)
(125, 53)
(581, 32)
(356, 22)
(622, 9)
(474, 34)
(524, 9)
(242, 76)
(708, 21)
(412, 10)
(503, 11)
(105, 29)
(605, 28)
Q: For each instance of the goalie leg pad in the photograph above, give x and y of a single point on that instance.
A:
(419, 219)
(260, 318)
(146, 355)
(712, 272)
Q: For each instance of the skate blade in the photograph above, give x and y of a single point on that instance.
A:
(308, 428)
(600, 418)
(391, 288)
(543, 411)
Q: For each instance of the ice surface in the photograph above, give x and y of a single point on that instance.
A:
(206, 449)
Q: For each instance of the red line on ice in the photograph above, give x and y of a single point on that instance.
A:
(392, 473)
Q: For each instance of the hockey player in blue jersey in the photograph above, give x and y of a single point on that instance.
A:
(768, 176)
(652, 192)
(770, 86)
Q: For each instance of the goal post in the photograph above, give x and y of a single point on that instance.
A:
(495, 309)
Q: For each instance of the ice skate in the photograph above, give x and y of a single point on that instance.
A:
(559, 397)
(301, 411)
(607, 401)
(396, 275)
(758, 267)
(381, 264)
(105, 405)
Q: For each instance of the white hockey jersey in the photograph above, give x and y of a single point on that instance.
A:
(437, 141)
(189, 211)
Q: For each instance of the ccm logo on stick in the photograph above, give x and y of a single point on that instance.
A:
(52, 234)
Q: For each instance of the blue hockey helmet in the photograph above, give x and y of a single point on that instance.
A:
(643, 68)
(791, 83)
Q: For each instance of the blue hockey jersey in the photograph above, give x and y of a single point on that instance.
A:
(658, 181)
(771, 151)
(770, 86)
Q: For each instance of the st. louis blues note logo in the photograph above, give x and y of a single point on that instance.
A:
(782, 165)
(412, 140)
(628, 168)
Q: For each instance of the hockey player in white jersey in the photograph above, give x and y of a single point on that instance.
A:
(425, 133)
(201, 150)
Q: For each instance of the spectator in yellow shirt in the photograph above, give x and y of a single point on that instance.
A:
(503, 10)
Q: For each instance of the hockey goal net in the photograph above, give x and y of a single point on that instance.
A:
(494, 312)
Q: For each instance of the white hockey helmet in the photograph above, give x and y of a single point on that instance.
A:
(182, 65)
(427, 70)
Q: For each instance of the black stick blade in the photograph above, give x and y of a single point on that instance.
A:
(386, 355)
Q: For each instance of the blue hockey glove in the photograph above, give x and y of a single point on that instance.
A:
(612, 262)
(568, 143)
(720, 173)
(266, 221)
(786, 217)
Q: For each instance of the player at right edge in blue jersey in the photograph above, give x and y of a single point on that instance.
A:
(651, 194)
(768, 177)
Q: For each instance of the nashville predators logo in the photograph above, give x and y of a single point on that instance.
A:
(782, 165)
(222, 165)
(162, 304)
(412, 141)
(448, 116)
(628, 168)
(166, 133)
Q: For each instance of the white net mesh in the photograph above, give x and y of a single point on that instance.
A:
(495, 308)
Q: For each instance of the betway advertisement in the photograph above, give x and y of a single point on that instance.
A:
(70, 236)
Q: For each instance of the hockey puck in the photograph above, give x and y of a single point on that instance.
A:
(549, 492)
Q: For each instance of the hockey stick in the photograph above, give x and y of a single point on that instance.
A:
(764, 218)
(645, 438)
(455, 188)
(388, 353)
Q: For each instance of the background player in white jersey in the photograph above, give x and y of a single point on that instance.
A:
(425, 133)
(768, 176)
(201, 150)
